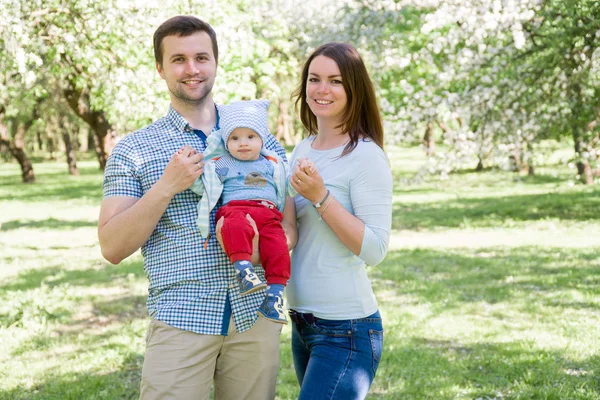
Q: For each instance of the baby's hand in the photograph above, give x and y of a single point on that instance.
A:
(307, 166)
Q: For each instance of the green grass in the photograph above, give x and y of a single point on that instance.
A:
(491, 290)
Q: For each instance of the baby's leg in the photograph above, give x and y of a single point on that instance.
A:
(237, 235)
(275, 259)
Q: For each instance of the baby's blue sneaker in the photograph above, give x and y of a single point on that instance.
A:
(272, 309)
(249, 282)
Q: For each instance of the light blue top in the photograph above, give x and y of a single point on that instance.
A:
(327, 279)
(246, 180)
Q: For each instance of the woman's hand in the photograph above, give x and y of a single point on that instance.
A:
(307, 181)
(255, 252)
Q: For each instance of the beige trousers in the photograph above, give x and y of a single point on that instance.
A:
(182, 365)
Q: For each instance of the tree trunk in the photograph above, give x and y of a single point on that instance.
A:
(530, 168)
(479, 166)
(90, 140)
(4, 153)
(104, 134)
(429, 139)
(71, 159)
(15, 142)
(66, 135)
(514, 162)
(478, 127)
(40, 142)
(284, 123)
(76, 139)
(4, 139)
(584, 169)
(16, 146)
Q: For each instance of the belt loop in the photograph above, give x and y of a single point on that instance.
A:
(294, 316)
(302, 318)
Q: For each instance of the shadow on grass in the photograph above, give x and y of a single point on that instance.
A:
(426, 369)
(417, 369)
(502, 176)
(122, 310)
(102, 311)
(70, 190)
(543, 179)
(123, 383)
(53, 185)
(412, 367)
(50, 223)
(55, 276)
(94, 330)
(450, 279)
(495, 211)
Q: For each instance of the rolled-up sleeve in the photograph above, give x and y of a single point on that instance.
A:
(371, 192)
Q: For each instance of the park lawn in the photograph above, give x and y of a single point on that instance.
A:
(490, 290)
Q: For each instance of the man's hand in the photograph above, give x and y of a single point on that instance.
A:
(255, 252)
(182, 171)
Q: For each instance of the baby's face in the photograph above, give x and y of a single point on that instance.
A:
(244, 144)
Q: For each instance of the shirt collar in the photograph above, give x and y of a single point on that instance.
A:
(181, 124)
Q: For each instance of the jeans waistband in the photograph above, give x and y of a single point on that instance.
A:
(309, 318)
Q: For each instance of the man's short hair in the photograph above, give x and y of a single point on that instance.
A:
(182, 25)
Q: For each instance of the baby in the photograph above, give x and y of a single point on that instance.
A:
(250, 180)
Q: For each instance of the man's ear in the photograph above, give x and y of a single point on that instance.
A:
(160, 70)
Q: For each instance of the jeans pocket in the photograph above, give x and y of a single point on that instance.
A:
(332, 328)
(376, 338)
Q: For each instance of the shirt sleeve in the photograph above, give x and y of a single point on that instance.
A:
(371, 194)
(120, 174)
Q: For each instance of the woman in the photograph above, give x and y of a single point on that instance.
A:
(344, 219)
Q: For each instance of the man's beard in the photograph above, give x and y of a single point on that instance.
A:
(180, 94)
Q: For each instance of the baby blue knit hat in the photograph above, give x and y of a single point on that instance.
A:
(244, 114)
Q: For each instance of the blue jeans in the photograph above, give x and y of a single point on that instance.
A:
(335, 359)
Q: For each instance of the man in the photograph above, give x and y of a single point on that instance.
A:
(201, 328)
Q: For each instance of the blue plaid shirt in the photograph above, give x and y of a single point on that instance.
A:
(190, 288)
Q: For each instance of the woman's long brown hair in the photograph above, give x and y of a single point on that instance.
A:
(362, 117)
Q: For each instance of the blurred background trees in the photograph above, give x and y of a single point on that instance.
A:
(477, 83)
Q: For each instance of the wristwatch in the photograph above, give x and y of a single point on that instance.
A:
(319, 204)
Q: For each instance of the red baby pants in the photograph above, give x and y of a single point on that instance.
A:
(237, 234)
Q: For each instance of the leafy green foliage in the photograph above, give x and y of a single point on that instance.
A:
(492, 79)
(490, 290)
